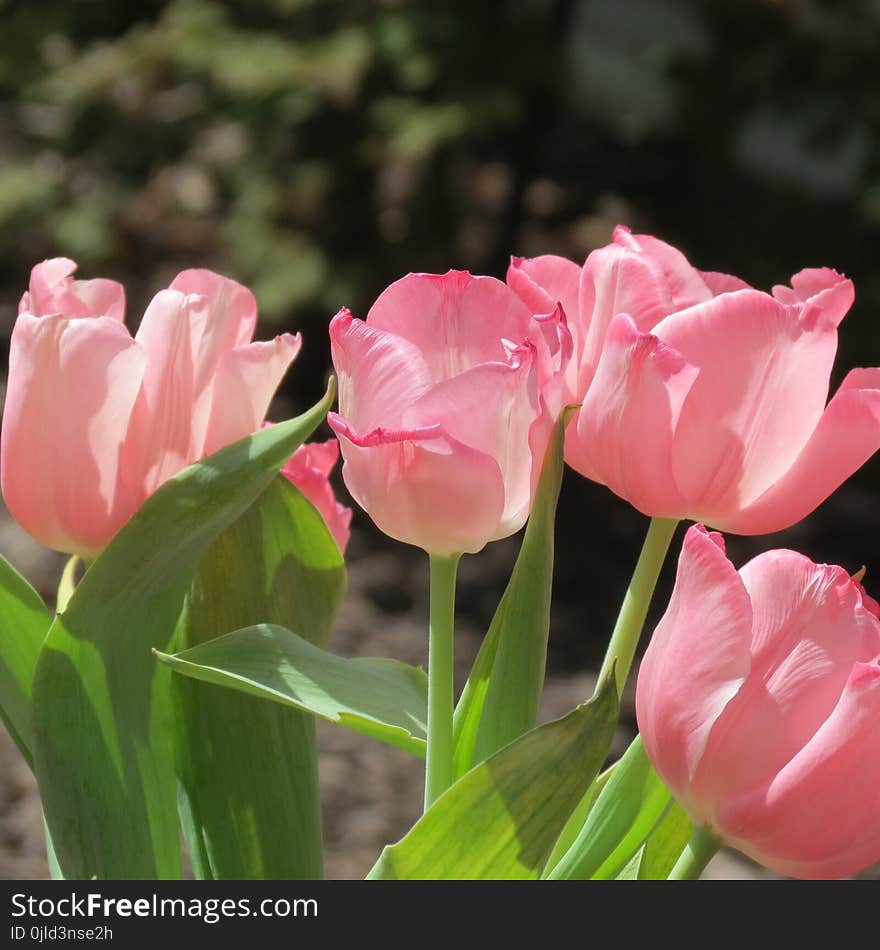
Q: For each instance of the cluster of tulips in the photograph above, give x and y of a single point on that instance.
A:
(177, 683)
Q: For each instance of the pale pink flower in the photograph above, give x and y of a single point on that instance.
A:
(447, 395)
(95, 421)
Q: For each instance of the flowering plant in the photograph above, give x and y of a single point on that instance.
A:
(176, 685)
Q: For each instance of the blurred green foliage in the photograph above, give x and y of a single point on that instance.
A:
(318, 149)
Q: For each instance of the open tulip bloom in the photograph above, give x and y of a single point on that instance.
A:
(176, 686)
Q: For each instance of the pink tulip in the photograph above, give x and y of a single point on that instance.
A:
(447, 394)
(309, 469)
(758, 701)
(703, 398)
(96, 421)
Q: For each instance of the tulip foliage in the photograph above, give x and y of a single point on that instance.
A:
(176, 686)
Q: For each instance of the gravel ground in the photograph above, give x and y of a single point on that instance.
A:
(371, 792)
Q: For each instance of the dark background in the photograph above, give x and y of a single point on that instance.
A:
(317, 150)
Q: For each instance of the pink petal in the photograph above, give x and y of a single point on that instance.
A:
(624, 432)
(243, 387)
(380, 374)
(53, 290)
(423, 487)
(616, 279)
(232, 312)
(683, 282)
(847, 435)
(455, 320)
(809, 629)
(818, 818)
(72, 386)
(761, 389)
(491, 408)
(820, 287)
(722, 283)
(308, 468)
(544, 282)
(695, 663)
(160, 442)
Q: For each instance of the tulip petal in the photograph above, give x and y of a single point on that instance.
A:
(809, 629)
(160, 441)
(455, 320)
(243, 387)
(542, 283)
(616, 279)
(232, 308)
(847, 435)
(624, 431)
(53, 290)
(380, 374)
(818, 817)
(697, 659)
(423, 487)
(682, 281)
(722, 283)
(821, 287)
(72, 386)
(764, 372)
(308, 468)
(491, 408)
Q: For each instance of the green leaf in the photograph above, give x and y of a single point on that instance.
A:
(501, 819)
(576, 820)
(384, 699)
(500, 700)
(626, 811)
(243, 763)
(24, 620)
(665, 845)
(103, 727)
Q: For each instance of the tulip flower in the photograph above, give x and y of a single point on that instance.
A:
(95, 421)
(447, 394)
(447, 397)
(758, 702)
(702, 397)
(309, 468)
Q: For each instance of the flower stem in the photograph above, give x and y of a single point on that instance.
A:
(438, 767)
(631, 618)
(698, 852)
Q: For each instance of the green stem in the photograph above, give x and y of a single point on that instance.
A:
(438, 767)
(631, 619)
(698, 852)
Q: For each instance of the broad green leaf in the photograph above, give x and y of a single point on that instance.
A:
(665, 844)
(24, 622)
(501, 819)
(248, 769)
(626, 811)
(384, 699)
(103, 727)
(501, 697)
